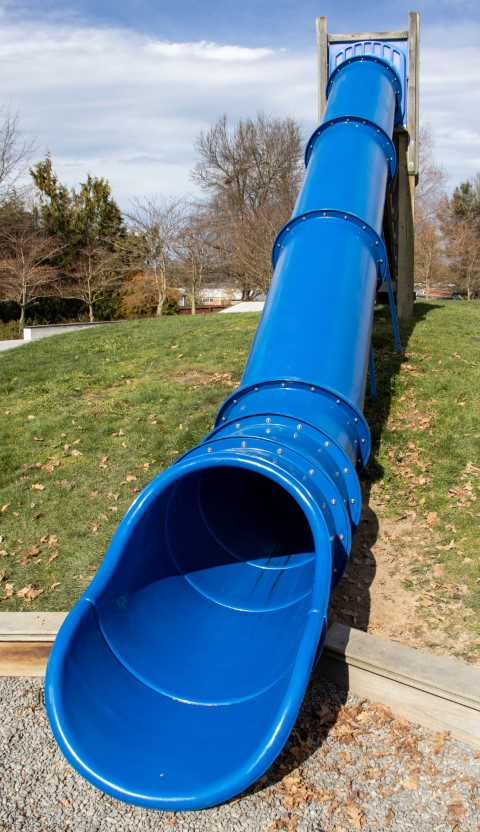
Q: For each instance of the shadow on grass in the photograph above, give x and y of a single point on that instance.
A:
(350, 603)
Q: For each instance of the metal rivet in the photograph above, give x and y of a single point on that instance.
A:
(279, 451)
(283, 384)
(363, 441)
(352, 501)
(333, 502)
(327, 444)
(332, 538)
(338, 401)
(335, 570)
(223, 418)
(268, 420)
(345, 471)
(356, 419)
(337, 473)
(209, 450)
(312, 389)
(237, 425)
(340, 536)
(235, 401)
(256, 389)
(324, 505)
(268, 430)
(311, 472)
(299, 427)
(244, 444)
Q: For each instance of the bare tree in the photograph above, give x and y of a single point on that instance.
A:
(26, 252)
(430, 201)
(462, 248)
(96, 270)
(249, 173)
(15, 153)
(150, 246)
(197, 254)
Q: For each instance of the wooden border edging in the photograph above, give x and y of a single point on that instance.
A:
(433, 691)
(436, 692)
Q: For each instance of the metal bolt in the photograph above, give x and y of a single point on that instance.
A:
(244, 444)
(256, 389)
(268, 430)
(332, 538)
(345, 471)
(338, 401)
(268, 420)
(237, 425)
(340, 536)
(352, 501)
(312, 389)
(235, 401)
(283, 384)
(324, 505)
(327, 444)
(223, 419)
(363, 441)
(333, 502)
(311, 472)
(299, 427)
(337, 473)
(279, 451)
(356, 419)
(209, 450)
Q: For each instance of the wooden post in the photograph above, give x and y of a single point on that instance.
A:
(405, 237)
(322, 47)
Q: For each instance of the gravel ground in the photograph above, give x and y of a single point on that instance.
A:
(349, 765)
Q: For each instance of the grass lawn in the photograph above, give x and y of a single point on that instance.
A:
(87, 419)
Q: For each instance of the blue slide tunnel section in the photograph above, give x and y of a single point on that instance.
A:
(177, 678)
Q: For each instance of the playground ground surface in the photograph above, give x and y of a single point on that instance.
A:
(89, 418)
(348, 765)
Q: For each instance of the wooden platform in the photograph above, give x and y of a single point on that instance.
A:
(436, 692)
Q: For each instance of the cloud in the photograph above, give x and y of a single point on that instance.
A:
(126, 106)
(107, 100)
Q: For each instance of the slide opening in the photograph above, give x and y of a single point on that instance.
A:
(231, 572)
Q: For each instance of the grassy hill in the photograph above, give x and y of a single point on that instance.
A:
(87, 419)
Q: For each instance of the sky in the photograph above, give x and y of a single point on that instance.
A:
(122, 88)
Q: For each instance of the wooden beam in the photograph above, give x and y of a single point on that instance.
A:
(322, 51)
(433, 691)
(353, 37)
(405, 233)
(413, 91)
(24, 658)
(30, 626)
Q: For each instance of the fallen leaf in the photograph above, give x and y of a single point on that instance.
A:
(52, 557)
(4, 507)
(54, 586)
(38, 486)
(29, 593)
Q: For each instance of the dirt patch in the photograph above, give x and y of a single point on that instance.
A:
(386, 590)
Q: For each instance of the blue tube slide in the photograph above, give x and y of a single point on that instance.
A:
(176, 679)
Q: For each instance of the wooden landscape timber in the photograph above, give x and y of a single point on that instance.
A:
(439, 693)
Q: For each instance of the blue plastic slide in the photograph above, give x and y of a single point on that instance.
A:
(177, 678)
